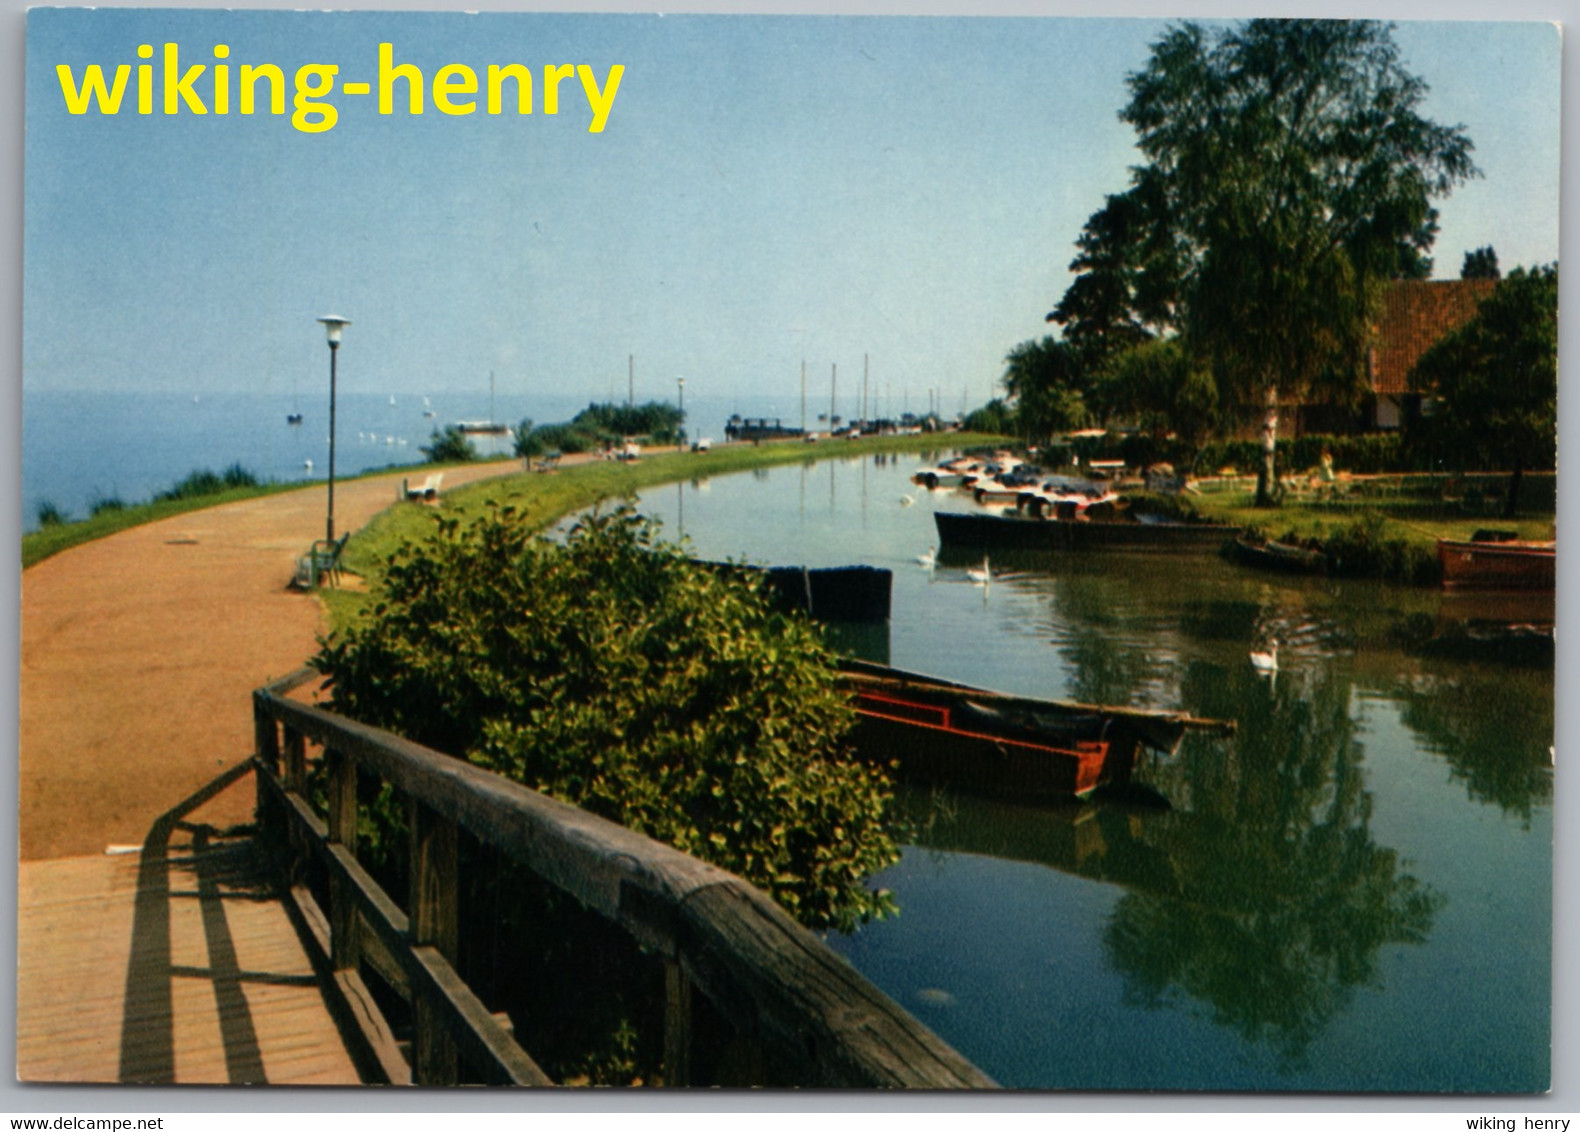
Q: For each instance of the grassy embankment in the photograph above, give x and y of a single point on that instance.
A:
(50, 540)
(544, 498)
(1388, 526)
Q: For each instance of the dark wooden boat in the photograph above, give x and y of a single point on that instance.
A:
(1012, 532)
(1285, 557)
(1496, 560)
(995, 745)
(833, 593)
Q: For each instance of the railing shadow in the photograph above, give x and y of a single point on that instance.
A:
(221, 872)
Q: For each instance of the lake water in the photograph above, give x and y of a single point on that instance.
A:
(1354, 893)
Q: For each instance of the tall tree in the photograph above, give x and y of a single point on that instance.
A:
(1047, 382)
(1289, 174)
(1481, 264)
(1106, 309)
(1498, 378)
(1158, 386)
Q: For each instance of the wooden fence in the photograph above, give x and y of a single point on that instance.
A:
(802, 1008)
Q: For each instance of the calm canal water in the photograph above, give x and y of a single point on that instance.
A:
(1354, 893)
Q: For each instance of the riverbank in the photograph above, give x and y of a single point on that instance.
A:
(1384, 527)
(543, 498)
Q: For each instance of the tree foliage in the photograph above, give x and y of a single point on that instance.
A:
(528, 442)
(1120, 294)
(1289, 173)
(1162, 388)
(1497, 376)
(1481, 264)
(600, 425)
(612, 673)
(449, 446)
(1048, 385)
(995, 417)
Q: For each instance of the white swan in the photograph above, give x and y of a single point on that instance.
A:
(907, 500)
(1266, 661)
(983, 576)
(928, 560)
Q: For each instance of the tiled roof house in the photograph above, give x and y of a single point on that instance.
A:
(1415, 314)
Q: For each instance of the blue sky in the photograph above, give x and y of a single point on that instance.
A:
(766, 189)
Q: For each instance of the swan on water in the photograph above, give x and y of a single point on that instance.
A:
(1266, 661)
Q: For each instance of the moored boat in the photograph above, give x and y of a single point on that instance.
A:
(482, 428)
(987, 743)
(1497, 560)
(952, 473)
(829, 593)
(1143, 533)
(1285, 557)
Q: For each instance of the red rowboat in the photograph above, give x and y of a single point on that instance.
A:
(1490, 560)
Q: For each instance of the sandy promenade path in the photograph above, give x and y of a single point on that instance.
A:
(140, 651)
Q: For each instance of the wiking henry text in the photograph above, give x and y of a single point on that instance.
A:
(181, 86)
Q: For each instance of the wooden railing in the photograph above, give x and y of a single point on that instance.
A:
(804, 1010)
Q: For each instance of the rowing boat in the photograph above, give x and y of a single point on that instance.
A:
(996, 745)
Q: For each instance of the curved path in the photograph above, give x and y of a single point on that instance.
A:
(140, 651)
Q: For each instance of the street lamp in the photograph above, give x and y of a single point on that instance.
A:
(333, 325)
(681, 439)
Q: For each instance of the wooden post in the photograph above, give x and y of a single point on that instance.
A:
(295, 761)
(344, 933)
(434, 923)
(295, 778)
(266, 741)
(266, 735)
(677, 1026)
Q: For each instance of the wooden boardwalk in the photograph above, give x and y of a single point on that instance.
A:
(167, 965)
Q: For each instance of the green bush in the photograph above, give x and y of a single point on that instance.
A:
(49, 515)
(612, 673)
(1363, 549)
(566, 438)
(450, 446)
(204, 482)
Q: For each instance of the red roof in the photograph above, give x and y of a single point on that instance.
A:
(1416, 313)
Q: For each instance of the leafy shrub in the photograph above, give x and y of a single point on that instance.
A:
(106, 505)
(612, 673)
(564, 437)
(451, 446)
(49, 515)
(1362, 549)
(656, 419)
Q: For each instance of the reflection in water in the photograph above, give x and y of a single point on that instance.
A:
(1285, 896)
(1493, 726)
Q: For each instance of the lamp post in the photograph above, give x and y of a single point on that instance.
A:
(681, 439)
(333, 325)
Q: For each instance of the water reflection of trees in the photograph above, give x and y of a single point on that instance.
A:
(1492, 725)
(1284, 898)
